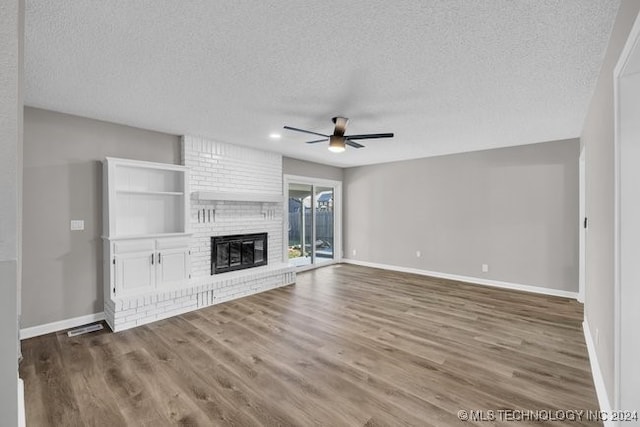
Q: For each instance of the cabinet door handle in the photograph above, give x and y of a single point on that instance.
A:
(159, 258)
(152, 258)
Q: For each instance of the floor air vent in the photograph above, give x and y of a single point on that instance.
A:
(85, 329)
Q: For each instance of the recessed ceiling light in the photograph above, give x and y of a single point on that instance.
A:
(275, 136)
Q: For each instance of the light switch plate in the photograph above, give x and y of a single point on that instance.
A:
(77, 224)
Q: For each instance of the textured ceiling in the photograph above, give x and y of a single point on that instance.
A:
(446, 76)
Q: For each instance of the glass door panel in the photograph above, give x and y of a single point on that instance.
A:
(324, 217)
(300, 224)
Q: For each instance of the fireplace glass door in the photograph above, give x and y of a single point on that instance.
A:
(237, 252)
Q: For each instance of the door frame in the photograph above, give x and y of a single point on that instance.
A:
(624, 247)
(582, 218)
(337, 212)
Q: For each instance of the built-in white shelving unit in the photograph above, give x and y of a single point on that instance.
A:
(146, 227)
(143, 198)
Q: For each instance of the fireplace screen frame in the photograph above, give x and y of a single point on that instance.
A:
(242, 241)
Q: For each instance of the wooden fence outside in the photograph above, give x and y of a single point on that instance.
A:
(324, 227)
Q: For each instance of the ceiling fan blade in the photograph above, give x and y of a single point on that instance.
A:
(306, 131)
(370, 136)
(317, 140)
(353, 144)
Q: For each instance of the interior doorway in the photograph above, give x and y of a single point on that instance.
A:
(312, 221)
(627, 226)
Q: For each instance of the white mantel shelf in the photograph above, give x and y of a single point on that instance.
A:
(237, 197)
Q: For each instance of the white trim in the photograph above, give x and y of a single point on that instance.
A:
(582, 231)
(146, 164)
(598, 379)
(60, 325)
(311, 180)
(616, 231)
(618, 71)
(237, 196)
(307, 267)
(467, 279)
(22, 419)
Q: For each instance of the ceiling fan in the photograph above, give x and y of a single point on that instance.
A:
(338, 140)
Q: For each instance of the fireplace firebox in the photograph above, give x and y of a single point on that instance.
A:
(237, 252)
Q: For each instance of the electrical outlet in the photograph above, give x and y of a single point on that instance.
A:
(354, 252)
(77, 225)
(485, 268)
(418, 254)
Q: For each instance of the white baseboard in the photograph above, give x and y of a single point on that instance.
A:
(467, 279)
(22, 420)
(60, 325)
(598, 380)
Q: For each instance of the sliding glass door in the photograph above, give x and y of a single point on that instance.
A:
(324, 224)
(312, 222)
(300, 224)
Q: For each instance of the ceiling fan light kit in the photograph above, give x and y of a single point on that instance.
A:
(338, 141)
(336, 144)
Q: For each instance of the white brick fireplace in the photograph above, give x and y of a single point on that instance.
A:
(234, 190)
(243, 176)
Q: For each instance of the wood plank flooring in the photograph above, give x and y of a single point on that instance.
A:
(345, 346)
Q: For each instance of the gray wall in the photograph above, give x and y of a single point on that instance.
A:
(11, 71)
(62, 271)
(316, 170)
(515, 209)
(598, 139)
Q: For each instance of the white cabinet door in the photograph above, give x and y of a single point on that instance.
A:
(173, 266)
(135, 266)
(143, 265)
(173, 261)
(134, 272)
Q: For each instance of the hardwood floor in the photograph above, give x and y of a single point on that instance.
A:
(345, 346)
